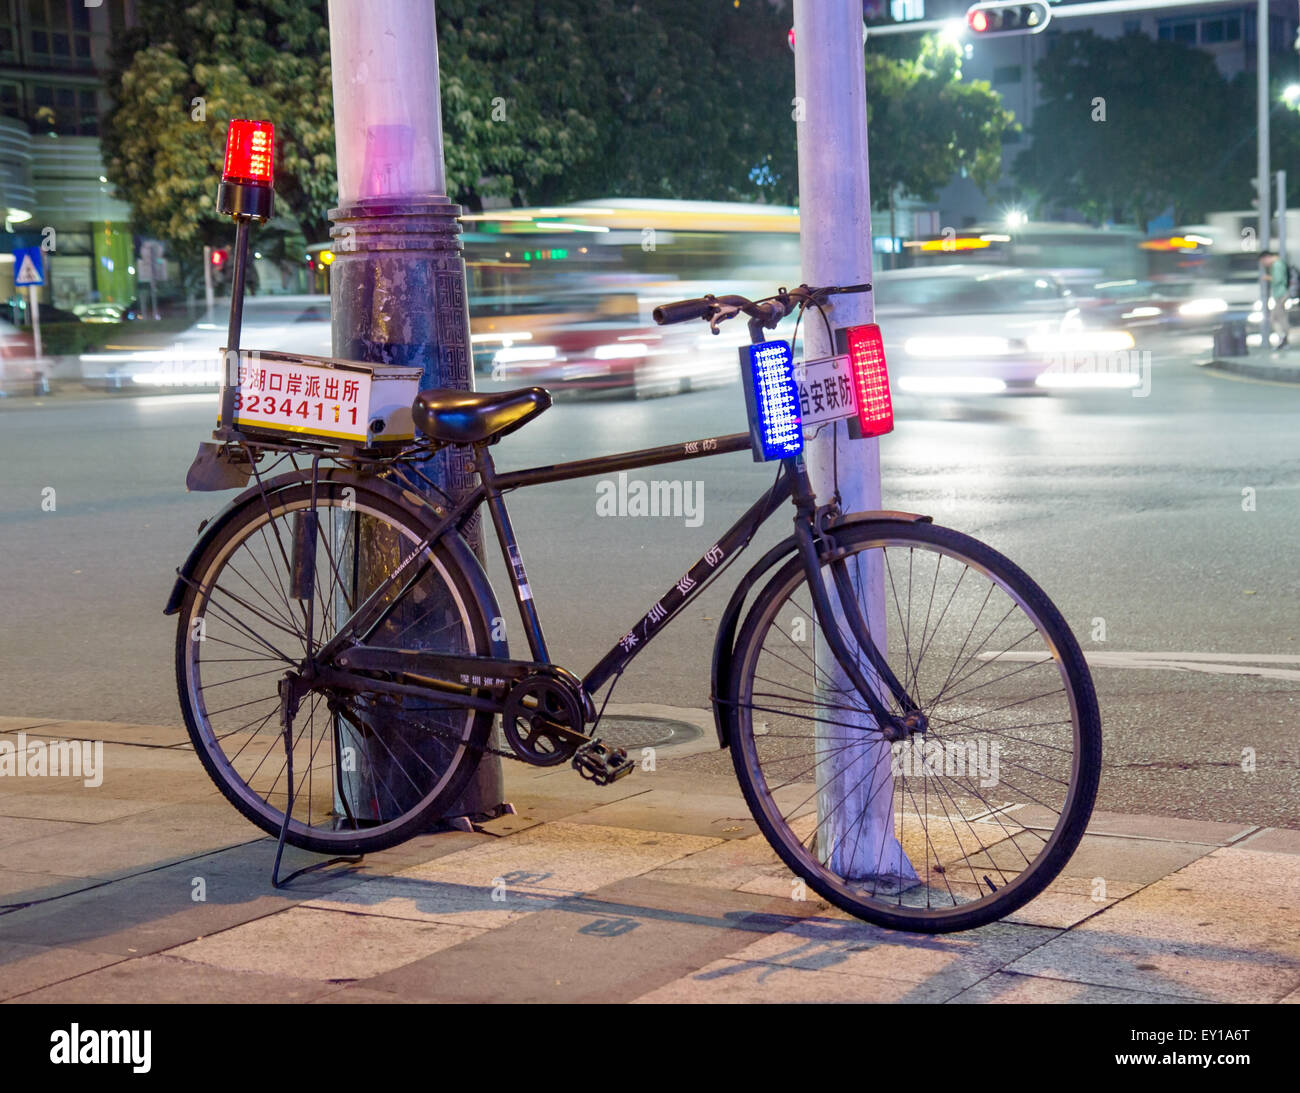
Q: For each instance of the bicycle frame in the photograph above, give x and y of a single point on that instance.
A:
(482, 682)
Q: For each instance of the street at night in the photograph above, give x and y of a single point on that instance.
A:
(680, 502)
(1127, 510)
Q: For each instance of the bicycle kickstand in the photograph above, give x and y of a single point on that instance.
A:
(288, 710)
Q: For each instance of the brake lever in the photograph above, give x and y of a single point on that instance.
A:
(722, 313)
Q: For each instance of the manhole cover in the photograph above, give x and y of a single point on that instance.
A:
(644, 732)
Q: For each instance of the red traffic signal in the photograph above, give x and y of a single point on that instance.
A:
(219, 257)
(1009, 18)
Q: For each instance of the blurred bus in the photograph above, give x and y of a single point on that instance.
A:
(616, 259)
(1077, 254)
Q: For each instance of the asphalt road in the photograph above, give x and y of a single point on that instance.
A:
(1126, 510)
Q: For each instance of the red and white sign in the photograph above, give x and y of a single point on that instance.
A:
(289, 396)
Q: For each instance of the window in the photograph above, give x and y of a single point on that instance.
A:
(59, 32)
(70, 110)
(1178, 31)
(904, 10)
(1006, 74)
(11, 100)
(1224, 29)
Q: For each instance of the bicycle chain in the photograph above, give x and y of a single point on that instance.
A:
(482, 749)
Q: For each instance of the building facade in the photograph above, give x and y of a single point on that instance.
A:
(53, 192)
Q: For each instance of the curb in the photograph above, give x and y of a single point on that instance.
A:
(1244, 366)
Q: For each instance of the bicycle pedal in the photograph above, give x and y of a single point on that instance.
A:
(602, 765)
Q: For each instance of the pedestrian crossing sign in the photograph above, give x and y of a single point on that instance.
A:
(28, 267)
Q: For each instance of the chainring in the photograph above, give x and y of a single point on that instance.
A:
(535, 711)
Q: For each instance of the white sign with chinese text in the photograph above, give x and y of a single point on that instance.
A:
(290, 396)
(825, 390)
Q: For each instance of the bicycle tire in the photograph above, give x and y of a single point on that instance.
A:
(801, 853)
(198, 603)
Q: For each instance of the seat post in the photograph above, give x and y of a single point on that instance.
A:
(510, 553)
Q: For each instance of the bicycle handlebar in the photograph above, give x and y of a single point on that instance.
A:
(683, 310)
(762, 313)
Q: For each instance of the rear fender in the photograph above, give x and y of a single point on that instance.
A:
(480, 586)
(724, 645)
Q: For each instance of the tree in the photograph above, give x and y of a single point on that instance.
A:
(926, 124)
(181, 73)
(1128, 127)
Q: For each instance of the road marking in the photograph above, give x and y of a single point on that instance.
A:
(1243, 664)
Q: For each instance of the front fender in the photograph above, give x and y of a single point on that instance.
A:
(724, 645)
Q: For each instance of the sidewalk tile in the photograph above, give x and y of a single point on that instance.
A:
(720, 815)
(157, 837)
(18, 886)
(1279, 840)
(1008, 987)
(1221, 929)
(1166, 827)
(612, 946)
(15, 830)
(1130, 861)
(84, 807)
(28, 967)
(167, 980)
(310, 943)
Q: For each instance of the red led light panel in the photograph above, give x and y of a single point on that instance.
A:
(870, 379)
(250, 149)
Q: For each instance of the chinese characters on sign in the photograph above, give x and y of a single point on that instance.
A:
(826, 390)
(301, 398)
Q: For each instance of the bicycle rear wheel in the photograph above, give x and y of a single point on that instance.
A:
(955, 827)
(368, 768)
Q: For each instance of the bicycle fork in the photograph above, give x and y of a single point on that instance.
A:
(813, 552)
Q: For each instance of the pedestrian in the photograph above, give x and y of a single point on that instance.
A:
(1273, 273)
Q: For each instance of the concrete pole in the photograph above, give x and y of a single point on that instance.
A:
(1262, 167)
(857, 837)
(397, 283)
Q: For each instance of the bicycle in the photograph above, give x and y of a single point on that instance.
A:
(919, 761)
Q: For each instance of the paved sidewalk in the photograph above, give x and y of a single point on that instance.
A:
(657, 889)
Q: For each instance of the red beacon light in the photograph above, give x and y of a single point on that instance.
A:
(247, 188)
(866, 350)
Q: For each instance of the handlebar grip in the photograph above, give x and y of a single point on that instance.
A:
(682, 311)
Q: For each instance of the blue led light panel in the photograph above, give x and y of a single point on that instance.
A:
(772, 400)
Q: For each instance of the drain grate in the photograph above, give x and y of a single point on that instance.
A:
(644, 732)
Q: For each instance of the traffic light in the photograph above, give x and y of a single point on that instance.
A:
(1004, 18)
(219, 256)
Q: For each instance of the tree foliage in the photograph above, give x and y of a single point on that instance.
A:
(925, 124)
(543, 101)
(1128, 127)
(237, 58)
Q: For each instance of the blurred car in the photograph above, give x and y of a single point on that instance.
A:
(107, 312)
(968, 330)
(628, 359)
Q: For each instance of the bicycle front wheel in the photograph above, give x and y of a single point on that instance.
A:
(369, 768)
(957, 825)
